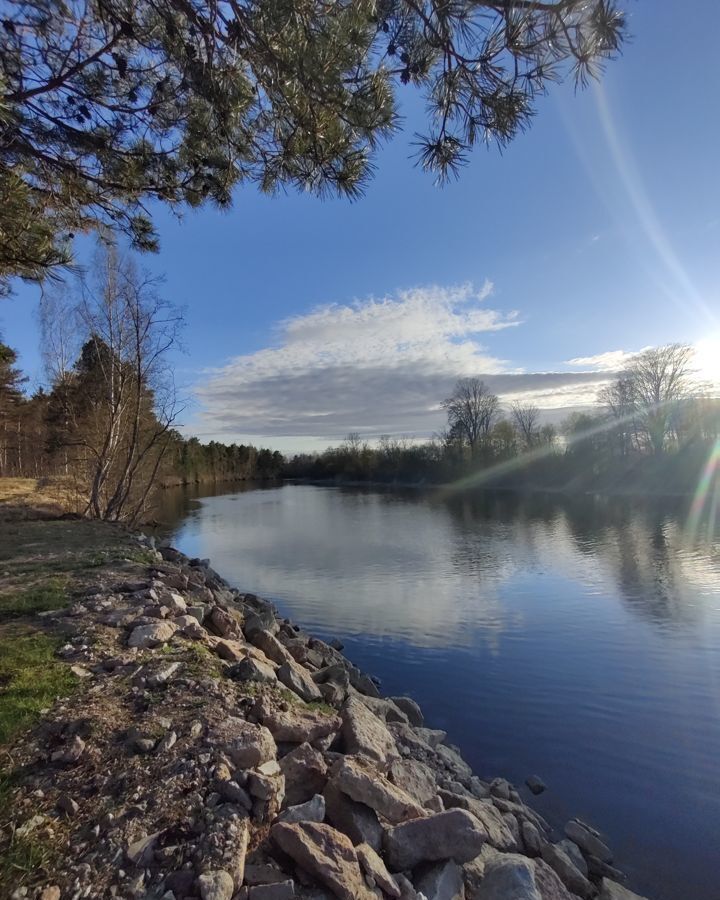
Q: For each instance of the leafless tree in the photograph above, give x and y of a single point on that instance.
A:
(526, 417)
(471, 411)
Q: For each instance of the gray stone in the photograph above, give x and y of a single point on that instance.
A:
(366, 735)
(455, 834)
(247, 745)
(566, 869)
(305, 774)
(496, 828)
(373, 866)
(141, 852)
(145, 636)
(549, 884)
(311, 811)
(588, 840)
(299, 725)
(271, 647)
(358, 821)
(70, 753)
(575, 854)
(414, 777)
(410, 708)
(299, 681)
(443, 881)
(250, 669)
(611, 890)
(508, 876)
(362, 782)
(536, 784)
(532, 839)
(216, 885)
(282, 890)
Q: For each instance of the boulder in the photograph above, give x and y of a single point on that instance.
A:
(536, 784)
(532, 839)
(442, 881)
(298, 725)
(224, 623)
(305, 774)
(496, 828)
(588, 840)
(454, 834)
(611, 890)
(311, 811)
(271, 647)
(145, 636)
(365, 735)
(281, 890)
(410, 708)
(571, 849)
(298, 681)
(361, 781)
(508, 876)
(567, 871)
(375, 868)
(247, 745)
(549, 884)
(326, 855)
(414, 777)
(358, 821)
(215, 885)
(253, 670)
(383, 709)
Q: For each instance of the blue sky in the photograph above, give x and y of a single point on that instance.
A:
(598, 230)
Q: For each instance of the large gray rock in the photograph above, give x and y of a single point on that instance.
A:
(253, 670)
(414, 777)
(145, 636)
(443, 881)
(373, 866)
(311, 811)
(588, 840)
(362, 782)
(566, 869)
(454, 834)
(356, 820)
(366, 735)
(549, 884)
(571, 849)
(305, 773)
(498, 833)
(247, 745)
(216, 885)
(508, 876)
(271, 647)
(611, 890)
(410, 708)
(327, 855)
(281, 890)
(298, 681)
(299, 725)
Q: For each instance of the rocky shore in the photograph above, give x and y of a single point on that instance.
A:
(214, 750)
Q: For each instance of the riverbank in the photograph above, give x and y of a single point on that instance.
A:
(283, 772)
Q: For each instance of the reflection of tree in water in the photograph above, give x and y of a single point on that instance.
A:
(641, 545)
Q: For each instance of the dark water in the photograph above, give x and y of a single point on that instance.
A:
(576, 639)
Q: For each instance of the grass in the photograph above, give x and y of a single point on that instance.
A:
(51, 594)
(31, 678)
(21, 857)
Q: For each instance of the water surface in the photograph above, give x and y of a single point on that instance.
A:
(577, 639)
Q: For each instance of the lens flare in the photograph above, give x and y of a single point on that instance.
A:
(707, 496)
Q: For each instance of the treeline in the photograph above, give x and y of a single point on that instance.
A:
(654, 429)
(106, 425)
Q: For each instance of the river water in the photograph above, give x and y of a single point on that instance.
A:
(577, 639)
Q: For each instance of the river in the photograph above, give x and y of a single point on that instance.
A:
(573, 638)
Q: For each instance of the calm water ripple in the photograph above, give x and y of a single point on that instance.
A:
(573, 638)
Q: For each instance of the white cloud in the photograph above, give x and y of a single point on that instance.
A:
(610, 361)
(374, 366)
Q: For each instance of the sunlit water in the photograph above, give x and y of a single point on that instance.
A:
(575, 639)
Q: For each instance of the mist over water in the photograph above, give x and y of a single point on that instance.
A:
(573, 638)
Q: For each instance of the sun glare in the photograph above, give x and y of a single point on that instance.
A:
(707, 359)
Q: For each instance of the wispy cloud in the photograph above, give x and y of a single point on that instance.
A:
(376, 366)
(610, 361)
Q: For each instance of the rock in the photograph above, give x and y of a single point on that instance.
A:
(496, 829)
(443, 881)
(175, 603)
(337, 645)
(383, 709)
(71, 753)
(224, 843)
(224, 623)
(597, 870)
(532, 839)
(611, 890)
(231, 791)
(356, 820)
(417, 741)
(536, 784)
(67, 805)
(410, 708)
(365, 735)
(263, 874)
(216, 885)
(588, 840)
(80, 672)
(500, 787)
(414, 777)
(361, 781)
(305, 774)
(568, 872)
(454, 762)
(298, 725)
(269, 791)
(508, 876)
(167, 742)
(375, 868)
(52, 892)
(455, 834)
(145, 636)
(549, 884)
(311, 811)
(260, 617)
(232, 651)
(282, 890)
(141, 852)
(297, 680)
(271, 647)
(327, 855)
(253, 670)
(247, 745)
(575, 854)
(163, 674)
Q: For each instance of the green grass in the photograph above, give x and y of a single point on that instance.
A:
(21, 857)
(51, 594)
(31, 678)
